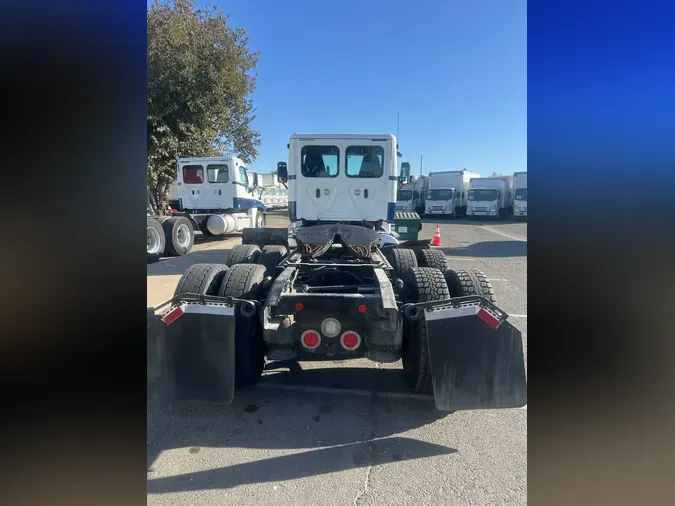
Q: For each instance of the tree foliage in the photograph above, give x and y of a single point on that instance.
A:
(200, 77)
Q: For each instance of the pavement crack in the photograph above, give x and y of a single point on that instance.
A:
(366, 484)
(369, 437)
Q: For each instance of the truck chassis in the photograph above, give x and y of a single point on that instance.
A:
(337, 295)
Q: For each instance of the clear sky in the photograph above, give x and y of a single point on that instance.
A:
(455, 71)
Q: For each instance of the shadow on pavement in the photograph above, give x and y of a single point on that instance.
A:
(489, 249)
(477, 221)
(278, 418)
(347, 378)
(301, 465)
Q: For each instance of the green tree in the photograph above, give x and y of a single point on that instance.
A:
(200, 77)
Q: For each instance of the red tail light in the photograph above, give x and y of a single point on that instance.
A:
(362, 308)
(299, 306)
(310, 339)
(350, 340)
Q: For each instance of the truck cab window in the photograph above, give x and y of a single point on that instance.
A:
(217, 173)
(320, 161)
(365, 161)
(243, 178)
(193, 174)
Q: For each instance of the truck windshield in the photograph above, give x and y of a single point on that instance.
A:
(483, 195)
(521, 194)
(404, 195)
(439, 194)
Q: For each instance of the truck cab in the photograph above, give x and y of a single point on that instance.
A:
(520, 195)
(217, 186)
(410, 196)
(441, 201)
(490, 196)
(346, 178)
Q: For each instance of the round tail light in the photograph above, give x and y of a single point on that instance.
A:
(350, 340)
(310, 339)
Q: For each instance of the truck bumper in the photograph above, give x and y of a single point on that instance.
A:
(476, 355)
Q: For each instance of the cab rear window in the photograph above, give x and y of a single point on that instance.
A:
(217, 173)
(365, 161)
(193, 174)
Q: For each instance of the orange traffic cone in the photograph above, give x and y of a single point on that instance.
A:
(436, 241)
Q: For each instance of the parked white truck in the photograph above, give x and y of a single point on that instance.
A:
(520, 195)
(447, 192)
(215, 195)
(410, 196)
(490, 196)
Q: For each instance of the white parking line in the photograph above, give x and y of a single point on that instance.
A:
(461, 258)
(496, 279)
(499, 232)
(518, 315)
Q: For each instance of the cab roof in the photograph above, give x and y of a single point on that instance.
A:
(310, 136)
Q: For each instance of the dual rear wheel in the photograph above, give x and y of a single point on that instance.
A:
(433, 280)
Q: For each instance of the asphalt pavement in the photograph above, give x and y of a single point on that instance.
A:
(347, 432)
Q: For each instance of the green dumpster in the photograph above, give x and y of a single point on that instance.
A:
(407, 225)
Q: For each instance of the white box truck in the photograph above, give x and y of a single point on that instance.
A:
(410, 196)
(268, 180)
(447, 192)
(520, 194)
(490, 196)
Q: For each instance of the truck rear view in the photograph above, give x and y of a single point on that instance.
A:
(337, 285)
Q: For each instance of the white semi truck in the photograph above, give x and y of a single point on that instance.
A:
(448, 191)
(215, 195)
(490, 196)
(336, 285)
(520, 195)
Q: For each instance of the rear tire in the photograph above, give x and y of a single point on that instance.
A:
(422, 284)
(243, 281)
(180, 236)
(244, 254)
(202, 279)
(432, 258)
(155, 240)
(402, 260)
(464, 282)
(270, 257)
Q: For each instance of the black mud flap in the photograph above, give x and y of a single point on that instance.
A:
(476, 357)
(195, 359)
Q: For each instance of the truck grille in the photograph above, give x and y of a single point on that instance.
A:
(480, 209)
(436, 208)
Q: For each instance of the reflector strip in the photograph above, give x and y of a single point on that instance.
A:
(488, 318)
(451, 312)
(179, 311)
(173, 315)
(221, 310)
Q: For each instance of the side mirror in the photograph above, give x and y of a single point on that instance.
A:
(282, 172)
